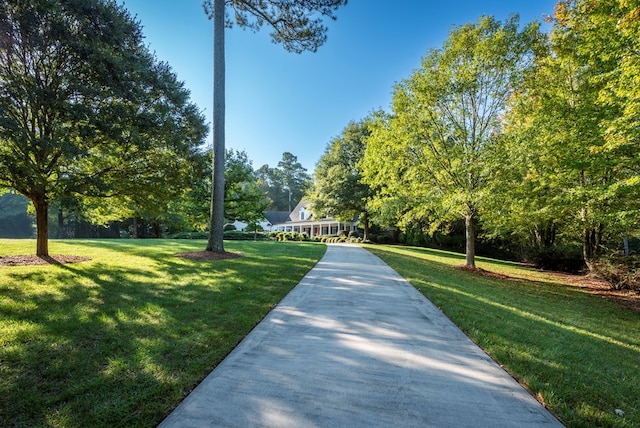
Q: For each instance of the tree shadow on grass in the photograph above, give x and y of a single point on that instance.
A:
(121, 347)
(576, 352)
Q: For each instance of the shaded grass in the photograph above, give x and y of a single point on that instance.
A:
(577, 353)
(121, 339)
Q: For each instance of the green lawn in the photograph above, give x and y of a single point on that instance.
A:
(119, 340)
(576, 352)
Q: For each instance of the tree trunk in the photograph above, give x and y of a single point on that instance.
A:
(365, 225)
(592, 241)
(470, 253)
(61, 233)
(42, 225)
(216, 225)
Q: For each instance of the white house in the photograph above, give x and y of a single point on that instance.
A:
(301, 220)
(271, 218)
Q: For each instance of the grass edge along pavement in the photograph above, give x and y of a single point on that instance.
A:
(121, 339)
(576, 353)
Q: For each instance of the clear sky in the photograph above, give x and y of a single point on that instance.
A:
(285, 102)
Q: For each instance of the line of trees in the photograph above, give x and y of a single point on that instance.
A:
(247, 197)
(528, 138)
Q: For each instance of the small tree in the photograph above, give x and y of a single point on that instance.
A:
(338, 188)
(244, 200)
(446, 117)
(297, 25)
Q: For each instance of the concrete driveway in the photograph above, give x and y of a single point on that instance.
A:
(355, 345)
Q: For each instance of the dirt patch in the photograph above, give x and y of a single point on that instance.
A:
(482, 272)
(209, 255)
(32, 260)
(626, 298)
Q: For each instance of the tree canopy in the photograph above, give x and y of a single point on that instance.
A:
(338, 189)
(85, 109)
(433, 152)
(570, 145)
(244, 200)
(285, 184)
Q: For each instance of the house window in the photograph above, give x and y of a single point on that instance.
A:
(302, 215)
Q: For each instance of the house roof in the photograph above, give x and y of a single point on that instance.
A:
(275, 217)
(295, 214)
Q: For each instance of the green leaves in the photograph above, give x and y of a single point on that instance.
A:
(338, 188)
(296, 24)
(85, 109)
(567, 127)
(434, 153)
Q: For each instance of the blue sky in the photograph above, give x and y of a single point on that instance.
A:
(279, 101)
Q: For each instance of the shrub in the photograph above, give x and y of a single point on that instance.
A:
(385, 239)
(622, 273)
(190, 235)
(229, 226)
(559, 258)
(354, 234)
(236, 235)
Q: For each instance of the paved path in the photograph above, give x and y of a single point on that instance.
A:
(355, 345)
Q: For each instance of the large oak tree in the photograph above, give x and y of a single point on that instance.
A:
(85, 109)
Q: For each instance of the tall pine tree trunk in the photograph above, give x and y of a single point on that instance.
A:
(216, 225)
(42, 224)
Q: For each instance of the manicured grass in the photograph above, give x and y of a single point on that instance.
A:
(121, 339)
(577, 353)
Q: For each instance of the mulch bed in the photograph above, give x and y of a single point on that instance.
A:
(629, 299)
(32, 260)
(209, 255)
(626, 298)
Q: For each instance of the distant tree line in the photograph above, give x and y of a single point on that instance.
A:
(248, 194)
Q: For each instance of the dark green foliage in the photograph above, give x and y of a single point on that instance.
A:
(565, 258)
(236, 235)
(14, 220)
(284, 185)
(296, 24)
(338, 189)
(85, 102)
(189, 235)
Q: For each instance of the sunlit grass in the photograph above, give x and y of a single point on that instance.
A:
(120, 340)
(577, 353)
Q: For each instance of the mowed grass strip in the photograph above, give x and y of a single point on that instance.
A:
(577, 353)
(121, 339)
